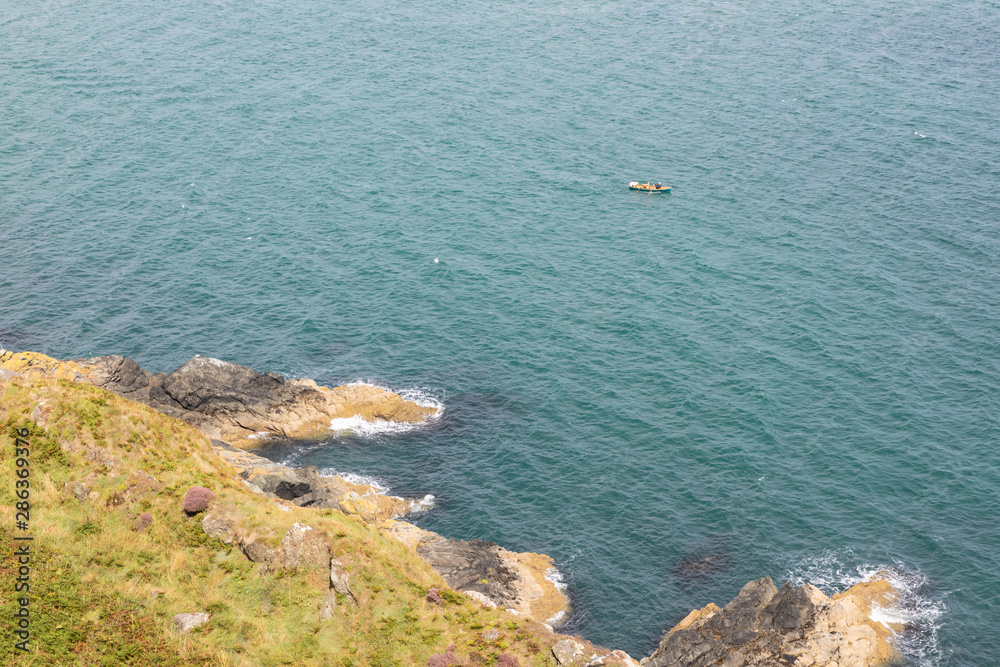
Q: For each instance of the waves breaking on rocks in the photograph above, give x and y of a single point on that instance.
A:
(366, 428)
(918, 607)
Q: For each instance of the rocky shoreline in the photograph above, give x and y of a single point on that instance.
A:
(233, 405)
(230, 403)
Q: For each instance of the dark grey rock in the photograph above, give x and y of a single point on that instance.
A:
(795, 610)
(465, 565)
(284, 483)
(739, 621)
(723, 638)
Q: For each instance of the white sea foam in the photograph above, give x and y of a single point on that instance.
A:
(417, 505)
(556, 577)
(357, 425)
(916, 609)
(556, 620)
(261, 435)
(422, 505)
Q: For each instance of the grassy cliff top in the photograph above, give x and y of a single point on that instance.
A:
(104, 588)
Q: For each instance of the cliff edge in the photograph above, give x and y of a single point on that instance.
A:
(225, 400)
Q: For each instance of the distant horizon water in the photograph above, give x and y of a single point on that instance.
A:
(789, 365)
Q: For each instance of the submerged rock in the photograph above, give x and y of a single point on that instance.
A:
(700, 568)
(799, 627)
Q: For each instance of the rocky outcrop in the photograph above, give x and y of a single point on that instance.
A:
(225, 400)
(305, 487)
(796, 627)
(514, 581)
(303, 547)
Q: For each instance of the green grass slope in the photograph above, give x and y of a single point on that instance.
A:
(103, 592)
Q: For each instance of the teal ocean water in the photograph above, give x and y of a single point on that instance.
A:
(790, 364)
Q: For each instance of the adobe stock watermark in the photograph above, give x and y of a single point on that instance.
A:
(22, 539)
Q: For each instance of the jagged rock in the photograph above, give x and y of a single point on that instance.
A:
(33, 364)
(794, 626)
(119, 374)
(303, 547)
(265, 475)
(187, 622)
(355, 503)
(285, 484)
(307, 488)
(566, 651)
(233, 402)
(406, 532)
(326, 492)
(471, 565)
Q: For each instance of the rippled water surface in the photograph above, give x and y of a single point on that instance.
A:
(790, 364)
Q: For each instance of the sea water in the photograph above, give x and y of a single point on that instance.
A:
(790, 366)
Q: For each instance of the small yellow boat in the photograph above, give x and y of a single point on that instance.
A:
(648, 187)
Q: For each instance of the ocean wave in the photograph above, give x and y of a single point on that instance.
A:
(916, 608)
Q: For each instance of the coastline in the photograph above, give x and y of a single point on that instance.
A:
(229, 402)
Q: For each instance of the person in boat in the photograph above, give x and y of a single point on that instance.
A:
(659, 185)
